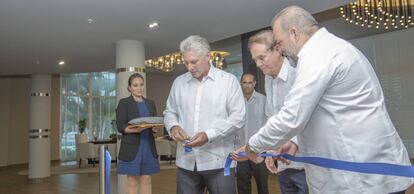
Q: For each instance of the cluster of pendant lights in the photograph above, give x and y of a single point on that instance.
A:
(385, 14)
(166, 62)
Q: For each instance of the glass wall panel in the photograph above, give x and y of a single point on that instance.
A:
(89, 96)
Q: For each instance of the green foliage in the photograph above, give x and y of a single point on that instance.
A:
(82, 125)
(113, 123)
(113, 136)
(114, 130)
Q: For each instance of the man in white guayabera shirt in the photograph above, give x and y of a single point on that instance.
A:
(335, 107)
(204, 111)
(255, 119)
(279, 78)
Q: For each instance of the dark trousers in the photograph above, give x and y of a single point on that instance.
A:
(244, 173)
(293, 181)
(194, 182)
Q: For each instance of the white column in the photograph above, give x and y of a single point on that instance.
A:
(130, 58)
(39, 132)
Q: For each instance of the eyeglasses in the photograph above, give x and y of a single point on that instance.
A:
(263, 57)
(274, 47)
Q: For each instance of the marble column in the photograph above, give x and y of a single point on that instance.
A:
(130, 58)
(39, 132)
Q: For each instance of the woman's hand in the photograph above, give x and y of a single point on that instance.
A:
(156, 129)
(134, 129)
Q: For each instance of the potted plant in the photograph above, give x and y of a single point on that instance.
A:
(82, 137)
(82, 126)
(113, 135)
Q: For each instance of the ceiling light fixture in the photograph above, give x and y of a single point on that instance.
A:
(378, 13)
(61, 62)
(153, 25)
(166, 62)
(90, 20)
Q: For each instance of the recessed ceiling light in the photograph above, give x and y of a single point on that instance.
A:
(90, 20)
(153, 25)
(61, 62)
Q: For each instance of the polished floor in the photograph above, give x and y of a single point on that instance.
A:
(85, 183)
(88, 183)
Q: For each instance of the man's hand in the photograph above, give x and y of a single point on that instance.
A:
(289, 148)
(253, 156)
(270, 163)
(198, 140)
(250, 155)
(235, 155)
(178, 134)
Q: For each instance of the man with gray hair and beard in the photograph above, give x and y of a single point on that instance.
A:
(204, 111)
(335, 107)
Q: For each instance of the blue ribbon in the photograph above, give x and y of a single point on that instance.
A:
(107, 171)
(370, 167)
(186, 148)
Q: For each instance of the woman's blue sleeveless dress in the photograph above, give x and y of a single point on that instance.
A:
(144, 163)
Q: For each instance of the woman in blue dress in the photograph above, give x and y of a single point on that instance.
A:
(137, 154)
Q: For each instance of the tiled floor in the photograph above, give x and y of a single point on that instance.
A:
(88, 183)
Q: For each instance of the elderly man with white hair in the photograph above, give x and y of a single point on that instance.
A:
(204, 111)
(335, 107)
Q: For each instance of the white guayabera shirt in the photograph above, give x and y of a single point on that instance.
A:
(276, 91)
(255, 118)
(336, 108)
(214, 105)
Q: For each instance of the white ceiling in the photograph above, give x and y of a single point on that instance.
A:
(35, 34)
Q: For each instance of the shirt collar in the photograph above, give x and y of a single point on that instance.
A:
(314, 39)
(284, 71)
(212, 74)
(283, 74)
(254, 95)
